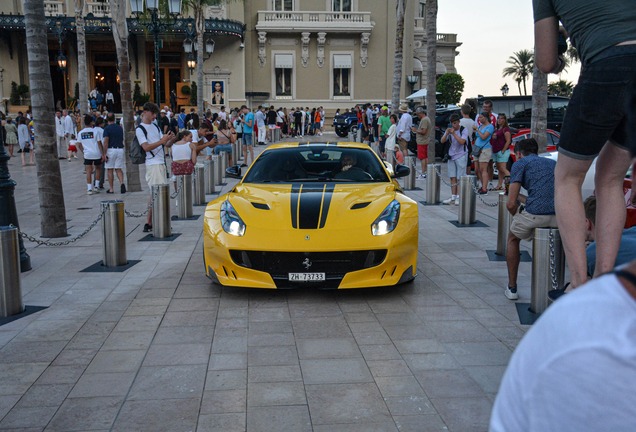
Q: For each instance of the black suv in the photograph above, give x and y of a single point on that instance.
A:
(442, 117)
(343, 122)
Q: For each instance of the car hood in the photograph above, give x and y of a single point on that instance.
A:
(311, 205)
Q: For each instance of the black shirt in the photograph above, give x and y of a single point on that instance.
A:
(115, 135)
(165, 121)
(174, 125)
(271, 117)
(298, 117)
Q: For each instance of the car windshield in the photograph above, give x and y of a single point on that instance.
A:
(320, 163)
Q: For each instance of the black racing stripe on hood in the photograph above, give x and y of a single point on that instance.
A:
(295, 194)
(309, 208)
(325, 203)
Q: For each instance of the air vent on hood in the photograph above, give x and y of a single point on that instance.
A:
(260, 206)
(357, 206)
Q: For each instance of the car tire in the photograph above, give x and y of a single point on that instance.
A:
(342, 133)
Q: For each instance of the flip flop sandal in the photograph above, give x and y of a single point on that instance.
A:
(556, 293)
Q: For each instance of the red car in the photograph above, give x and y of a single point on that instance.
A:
(553, 140)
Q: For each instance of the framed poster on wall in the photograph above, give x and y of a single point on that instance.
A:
(218, 92)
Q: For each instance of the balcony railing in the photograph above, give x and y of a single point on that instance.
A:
(54, 8)
(420, 23)
(307, 20)
(446, 37)
(98, 9)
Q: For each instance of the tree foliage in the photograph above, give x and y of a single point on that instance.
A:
(14, 98)
(561, 88)
(451, 86)
(521, 65)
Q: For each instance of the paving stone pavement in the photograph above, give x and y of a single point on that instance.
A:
(159, 347)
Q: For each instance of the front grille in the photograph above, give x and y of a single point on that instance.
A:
(333, 264)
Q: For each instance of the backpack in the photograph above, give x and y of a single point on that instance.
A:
(137, 153)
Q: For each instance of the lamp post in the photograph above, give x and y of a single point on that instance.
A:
(412, 79)
(156, 26)
(60, 34)
(505, 89)
(189, 46)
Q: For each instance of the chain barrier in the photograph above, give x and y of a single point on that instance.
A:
(472, 183)
(145, 212)
(66, 242)
(179, 186)
(552, 262)
(439, 174)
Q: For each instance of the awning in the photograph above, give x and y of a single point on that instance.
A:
(417, 65)
(284, 61)
(342, 61)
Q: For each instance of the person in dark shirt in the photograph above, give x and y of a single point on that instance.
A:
(174, 125)
(114, 145)
(298, 119)
(536, 175)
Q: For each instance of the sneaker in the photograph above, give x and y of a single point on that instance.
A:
(556, 293)
(69, 159)
(511, 293)
(74, 157)
(89, 192)
(95, 190)
(147, 228)
(421, 176)
(483, 192)
(457, 201)
(448, 201)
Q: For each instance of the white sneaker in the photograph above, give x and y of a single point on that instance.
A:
(69, 159)
(89, 192)
(457, 201)
(448, 201)
(421, 177)
(95, 190)
(510, 294)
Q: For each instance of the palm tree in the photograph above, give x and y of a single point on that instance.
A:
(82, 71)
(120, 34)
(518, 84)
(399, 54)
(521, 64)
(561, 88)
(539, 122)
(431, 63)
(50, 192)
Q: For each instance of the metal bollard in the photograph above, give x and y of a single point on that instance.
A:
(199, 184)
(359, 135)
(390, 158)
(235, 157)
(504, 220)
(218, 174)
(184, 198)
(10, 283)
(239, 144)
(352, 136)
(114, 232)
(224, 163)
(467, 200)
(541, 273)
(209, 176)
(375, 146)
(409, 180)
(161, 212)
(432, 185)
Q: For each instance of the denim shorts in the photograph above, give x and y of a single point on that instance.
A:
(247, 139)
(501, 156)
(599, 108)
(223, 148)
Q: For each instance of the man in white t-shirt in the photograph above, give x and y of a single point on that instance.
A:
(153, 142)
(575, 369)
(99, 136)
(69, 130)
(223, 114)
(59, 134)
(94, 154)
(468, 124)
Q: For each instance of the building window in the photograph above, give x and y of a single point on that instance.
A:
(284, 5)
(341, 5)
(422, 9)
(341, 82)
(284, 73)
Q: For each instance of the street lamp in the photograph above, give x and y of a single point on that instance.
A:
(192, 63)
(156, 27)
(505, 90)
(412, 79)
(60, 34)
(61, 62)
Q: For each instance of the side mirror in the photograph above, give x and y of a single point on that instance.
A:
(401, 171)
(234, 172)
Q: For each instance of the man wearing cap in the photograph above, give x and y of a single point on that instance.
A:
(404, 129)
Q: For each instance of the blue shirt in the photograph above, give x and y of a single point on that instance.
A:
(484, 144)
(115, 135)
(181, 120)
(536, 175)
(626, 251)
(247, 130)
(93, 104)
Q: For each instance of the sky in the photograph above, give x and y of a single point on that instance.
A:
(490, 33)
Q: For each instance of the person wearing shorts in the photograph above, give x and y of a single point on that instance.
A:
(114, 145)
(423, 133)
(247, 119)
(153, 142)
(601, 111)
(483, 134)
(536, 175)
(458, 153)
(94, 154)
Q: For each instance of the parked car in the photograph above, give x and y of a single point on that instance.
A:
(553, 143)
(343, 123)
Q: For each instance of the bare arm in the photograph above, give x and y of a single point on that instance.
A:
(459, 139)
(508, 139)
(193, 157)
(546, 33)
(513, 195)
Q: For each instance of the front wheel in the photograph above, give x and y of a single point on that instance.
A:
(342, 132)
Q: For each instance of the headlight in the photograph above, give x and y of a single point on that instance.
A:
(388, 219)
(231, 221)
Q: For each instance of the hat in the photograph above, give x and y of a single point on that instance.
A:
(163, 111)
(404, 108)
(385, 108)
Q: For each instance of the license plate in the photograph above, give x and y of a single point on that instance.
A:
(306, 277)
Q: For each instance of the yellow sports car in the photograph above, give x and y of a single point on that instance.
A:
(321, 215)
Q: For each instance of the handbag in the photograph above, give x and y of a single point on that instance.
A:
(476, 151)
